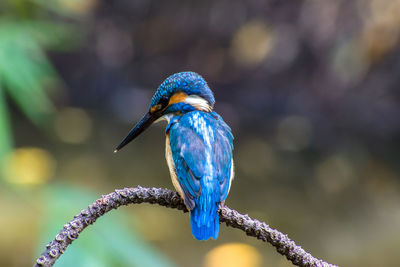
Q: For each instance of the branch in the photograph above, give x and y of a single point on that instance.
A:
(170, 199)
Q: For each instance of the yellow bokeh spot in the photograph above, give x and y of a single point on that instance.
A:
(233, 255)
(73, 125)
(28, 166)
(381, 30)
(252, 43)
(79, 7)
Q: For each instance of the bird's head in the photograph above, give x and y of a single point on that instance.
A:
(180, 93)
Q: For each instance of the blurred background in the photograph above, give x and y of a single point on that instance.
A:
(310, 89)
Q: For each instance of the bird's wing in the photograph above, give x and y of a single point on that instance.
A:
(189, 151)
(222, 158)
(222, 155)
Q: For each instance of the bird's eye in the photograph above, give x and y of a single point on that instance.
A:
(163, 101)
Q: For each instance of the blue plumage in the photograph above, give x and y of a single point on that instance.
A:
(201, 145)
(198, 148)
(189, 82)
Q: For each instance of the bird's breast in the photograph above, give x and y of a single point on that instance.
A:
(171, 166)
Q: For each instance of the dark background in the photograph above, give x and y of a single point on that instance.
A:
(309, 88)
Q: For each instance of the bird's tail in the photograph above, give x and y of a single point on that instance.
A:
(204, 218)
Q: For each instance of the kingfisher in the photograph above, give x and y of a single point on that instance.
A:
(198, 147)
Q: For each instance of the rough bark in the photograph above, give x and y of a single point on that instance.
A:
(165, 197)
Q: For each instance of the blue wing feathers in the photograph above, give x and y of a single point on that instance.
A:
(201, 146)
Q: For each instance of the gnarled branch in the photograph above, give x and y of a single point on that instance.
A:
(164, 197)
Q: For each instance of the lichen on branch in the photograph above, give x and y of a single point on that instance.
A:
(165, 197)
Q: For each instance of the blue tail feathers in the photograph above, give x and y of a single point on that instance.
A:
(205, 221)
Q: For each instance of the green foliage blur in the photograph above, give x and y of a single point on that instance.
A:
(110, 243)
(28, 31)
(26, 74)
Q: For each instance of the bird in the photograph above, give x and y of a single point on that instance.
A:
(198, 147)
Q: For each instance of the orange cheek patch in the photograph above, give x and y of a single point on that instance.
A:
(177, 97)
(154, 108)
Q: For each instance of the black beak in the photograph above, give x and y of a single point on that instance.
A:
(142, 125)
